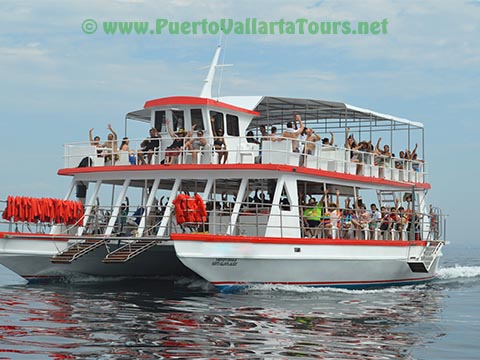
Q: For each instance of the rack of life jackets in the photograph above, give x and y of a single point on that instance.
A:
(190, 209)
(45, 210)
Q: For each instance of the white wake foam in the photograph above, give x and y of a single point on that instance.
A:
(457, 272)
(307, 289)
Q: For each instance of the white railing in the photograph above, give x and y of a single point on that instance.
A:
(240, 151)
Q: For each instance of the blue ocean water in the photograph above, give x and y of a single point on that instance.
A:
(90, 318)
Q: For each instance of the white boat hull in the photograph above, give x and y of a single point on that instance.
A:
(230, 265)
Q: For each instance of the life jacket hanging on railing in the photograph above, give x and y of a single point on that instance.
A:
(45, 210)
(179, 208)
(189, 209)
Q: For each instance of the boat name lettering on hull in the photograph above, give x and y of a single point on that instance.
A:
(224, 262)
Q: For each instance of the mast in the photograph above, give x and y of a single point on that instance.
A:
(207, 83)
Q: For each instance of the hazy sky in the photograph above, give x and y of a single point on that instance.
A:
(57, 81)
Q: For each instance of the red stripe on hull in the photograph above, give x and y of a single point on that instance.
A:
(32, 236)
(311, 283)
(291, 241)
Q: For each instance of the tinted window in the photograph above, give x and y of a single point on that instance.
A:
(232, 125)
(218, 117)
(178, 120)
(197, 119)
(159, 120)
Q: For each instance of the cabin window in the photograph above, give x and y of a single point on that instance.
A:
(232, 125)
(178, 121)
(159, 120)
(197, 119)
(218, 120)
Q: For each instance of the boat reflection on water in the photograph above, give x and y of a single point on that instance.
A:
(322, 324)
(151, 322)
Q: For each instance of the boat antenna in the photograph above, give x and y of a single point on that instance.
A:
(207, 83)
(221, 67)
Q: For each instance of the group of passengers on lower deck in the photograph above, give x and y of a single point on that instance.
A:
(325, 218)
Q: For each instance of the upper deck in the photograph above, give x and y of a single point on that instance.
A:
(333, 121)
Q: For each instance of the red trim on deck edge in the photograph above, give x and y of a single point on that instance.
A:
(290, 241)
(268, 167)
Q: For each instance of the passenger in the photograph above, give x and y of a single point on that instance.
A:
(363, 150)
(409, 155)
(251, 139)
(149, 147)
(326, 142)
(351, 144)
(291, 133)
(401, 222)
(273, 136)
(349, 141)
(302, 138)
(346, 222)
(416, 163)
(358, 152)
(375, 217)
(309, 149)
(384, 154)
(178, 144)
(195, 145)
(312, 216)
(125, 146)
(123, 215)
(111, 145)
(394, 220)
(399, 162)
(94, 141)
(385, 222)
(362, 220)
(219, 143)
(331, 221)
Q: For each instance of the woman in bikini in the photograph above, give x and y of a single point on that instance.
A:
(219, 143)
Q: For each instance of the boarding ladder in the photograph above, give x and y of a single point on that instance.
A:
(425, 261)
(77, 250)
(434, 245)
(129, 250)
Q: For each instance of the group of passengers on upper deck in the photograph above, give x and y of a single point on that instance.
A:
(303, 140)
(181, 141)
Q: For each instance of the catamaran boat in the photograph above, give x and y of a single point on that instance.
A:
(238, 204)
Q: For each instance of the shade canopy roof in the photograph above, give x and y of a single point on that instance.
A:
(278, 110)
(328, 114)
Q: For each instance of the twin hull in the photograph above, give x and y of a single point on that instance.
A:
(31, 259)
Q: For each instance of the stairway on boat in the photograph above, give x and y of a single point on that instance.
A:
(77, 250)
(424, 262)
(129, 251)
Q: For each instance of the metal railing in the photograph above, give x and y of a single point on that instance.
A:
(260, 219)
